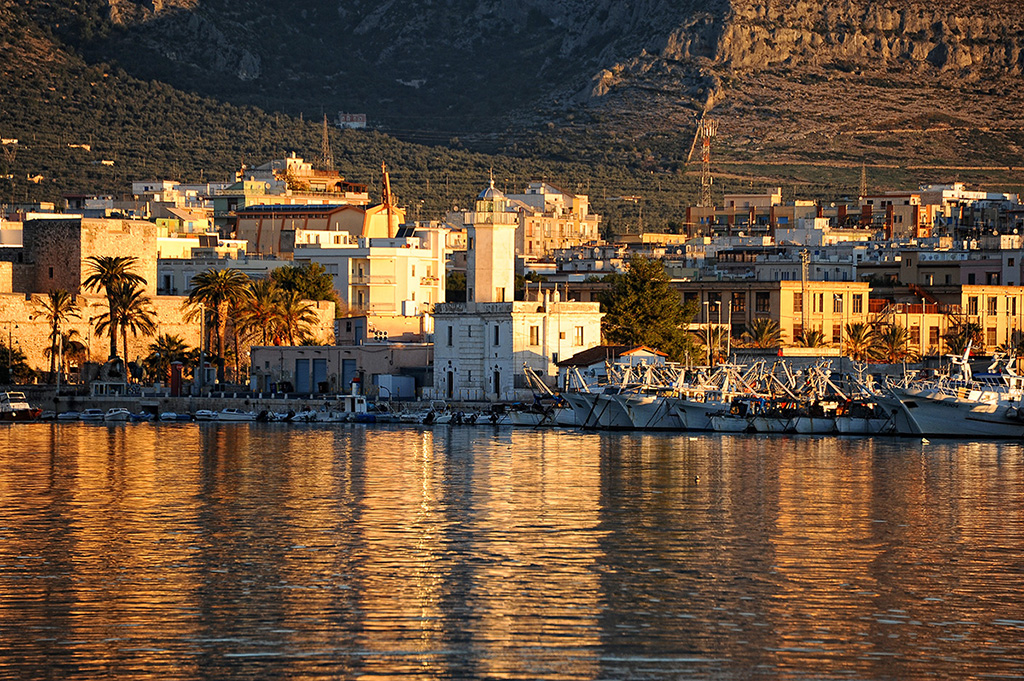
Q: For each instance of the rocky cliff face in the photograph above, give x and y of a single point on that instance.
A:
(975, 38)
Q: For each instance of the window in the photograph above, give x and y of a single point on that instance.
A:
(915, 335)
(1011, 307)
(414, 271)
(972, 305)
(933, 336)
(497, 334)
(837, 303)
(970, 278)
(578, 337)
(739, 302)
(837, 333)
(534, 335)
(348, 327)
(819, 301)
(469, 243)
(561, 335)
(858, 305)
(51, 273)
(990, 338)
(798, 302)
(450, 334)
(798, 330)
(992, 305)
(762, 302)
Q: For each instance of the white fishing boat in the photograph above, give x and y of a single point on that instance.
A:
(649, 411)
(814, 425)
(984, 406)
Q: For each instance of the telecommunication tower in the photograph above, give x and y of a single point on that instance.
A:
(326, 158)
(706, 130)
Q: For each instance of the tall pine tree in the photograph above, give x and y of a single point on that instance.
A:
(641, 308)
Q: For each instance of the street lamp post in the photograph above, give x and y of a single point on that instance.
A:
(707, 336)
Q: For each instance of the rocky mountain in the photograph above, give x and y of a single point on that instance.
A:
(805, 90)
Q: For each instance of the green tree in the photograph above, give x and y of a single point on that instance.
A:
(763, 333)
(14, 366)
(860, 341)
(217, 290)
(164, 351)
(296, 315)
(57, 308)
(893, 344)
(107, 272)
(961, 332)
(641, 308)
(811, 338)
(455, 287)
(309, 280)
(260, 312)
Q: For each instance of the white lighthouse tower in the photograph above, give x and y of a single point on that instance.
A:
(491, 249)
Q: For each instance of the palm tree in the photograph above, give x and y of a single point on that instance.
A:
(58, 308)
(260, 312)
(70, 346)
(713, 338)
(134, 314)
(217, 290)
(860, 341)
(163, 351)
(763, 333)
(106, 272)
(961, 332)
(811, 338)
(893, 344)
(297, 316)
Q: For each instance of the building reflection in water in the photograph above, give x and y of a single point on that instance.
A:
(195, 551)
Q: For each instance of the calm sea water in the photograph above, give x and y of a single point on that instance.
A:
(260, 551)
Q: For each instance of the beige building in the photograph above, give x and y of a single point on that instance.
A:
(551, 219)
(826, 306)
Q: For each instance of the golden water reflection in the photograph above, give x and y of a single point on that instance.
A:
(190, 551)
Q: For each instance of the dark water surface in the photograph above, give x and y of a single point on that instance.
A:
(260, 551)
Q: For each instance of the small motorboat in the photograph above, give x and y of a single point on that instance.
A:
(205, 415)
(117, 415)
(92, 415)
(233, 414)
(68, 416)
(14, 406)
(175, 416)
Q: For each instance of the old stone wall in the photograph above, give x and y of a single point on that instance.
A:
(57, 250)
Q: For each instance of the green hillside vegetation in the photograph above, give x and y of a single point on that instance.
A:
(52, 98)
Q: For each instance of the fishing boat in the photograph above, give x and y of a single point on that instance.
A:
(989, 405)
(14, 406)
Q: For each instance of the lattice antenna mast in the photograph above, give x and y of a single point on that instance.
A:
(707, 131)
(326, 160)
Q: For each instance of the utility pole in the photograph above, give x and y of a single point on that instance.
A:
(805, 260)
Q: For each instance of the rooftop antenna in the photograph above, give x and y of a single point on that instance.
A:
(326, 159)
